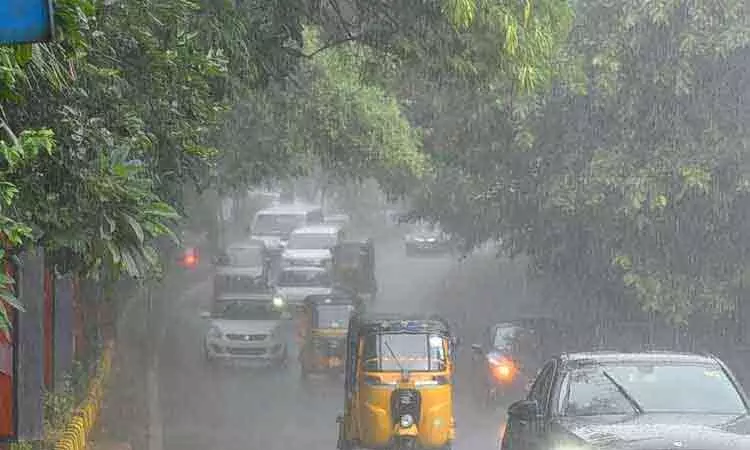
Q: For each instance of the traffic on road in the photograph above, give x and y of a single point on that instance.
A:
(294, 350)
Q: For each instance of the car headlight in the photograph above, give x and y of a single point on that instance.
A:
(278, 301)
(406, 421)
(214, 332)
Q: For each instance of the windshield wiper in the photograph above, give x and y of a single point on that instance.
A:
(398, 362)
(636, 406)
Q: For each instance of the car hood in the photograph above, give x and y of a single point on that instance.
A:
(307, 254)
(298, 294)
(270, 240)
(246, 326)
(240, 271)
(661, 432)
(426, 235)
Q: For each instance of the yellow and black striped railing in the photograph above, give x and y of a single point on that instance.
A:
(75, 435)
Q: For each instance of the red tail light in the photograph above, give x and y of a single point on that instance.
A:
(190, 258)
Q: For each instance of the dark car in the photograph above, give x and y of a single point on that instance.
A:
(510, 355)
(631, 401)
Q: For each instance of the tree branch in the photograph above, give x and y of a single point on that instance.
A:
(323, 48)
(9, 132)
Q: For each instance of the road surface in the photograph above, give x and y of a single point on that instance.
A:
(203, 408)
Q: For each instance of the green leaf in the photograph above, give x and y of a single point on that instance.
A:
(135, 226)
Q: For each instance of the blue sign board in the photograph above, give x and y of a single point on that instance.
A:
(24, 21)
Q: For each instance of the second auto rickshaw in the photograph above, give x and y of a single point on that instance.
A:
(399, 384)
(354, 267)
(322, 331)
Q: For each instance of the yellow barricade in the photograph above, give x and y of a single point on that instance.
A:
(75, 435)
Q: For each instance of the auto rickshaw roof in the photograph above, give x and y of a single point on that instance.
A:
(399, 323)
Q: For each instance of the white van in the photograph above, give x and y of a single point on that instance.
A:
(274, 225)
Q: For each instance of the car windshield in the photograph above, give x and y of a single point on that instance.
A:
(413, 352)
(661, 388)
(333, 316)
(304, 278)
(305, 241)
(238, 283)
(244, 256)
(245, 310)
(504, 336)
(277, 224)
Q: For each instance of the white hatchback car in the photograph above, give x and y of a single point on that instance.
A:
(246, 328)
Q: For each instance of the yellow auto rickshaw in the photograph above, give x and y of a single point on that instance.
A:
(322, 332)
(399, 384)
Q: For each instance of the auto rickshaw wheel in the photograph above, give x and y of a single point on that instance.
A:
(342, 443)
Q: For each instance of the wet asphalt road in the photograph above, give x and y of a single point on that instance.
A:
(205, 408)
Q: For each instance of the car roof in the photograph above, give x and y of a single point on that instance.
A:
(250, 297)
(318, 229)
(606, 357)
(304, 269)
(295, 208)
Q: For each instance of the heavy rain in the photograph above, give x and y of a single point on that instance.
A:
(374, 224)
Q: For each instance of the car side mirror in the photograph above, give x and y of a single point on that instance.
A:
(524, 410)
(205, 314)
(476, 348)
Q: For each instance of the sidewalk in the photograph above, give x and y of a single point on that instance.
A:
(131, 398)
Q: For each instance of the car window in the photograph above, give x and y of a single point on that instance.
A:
(245, 310)
(304, 278)
(277, 224)
(244, 256)
(541, 387)
(659, 388)
(504, 337)
(306, 241)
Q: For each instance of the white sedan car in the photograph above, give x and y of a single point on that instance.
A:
(246, 328)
